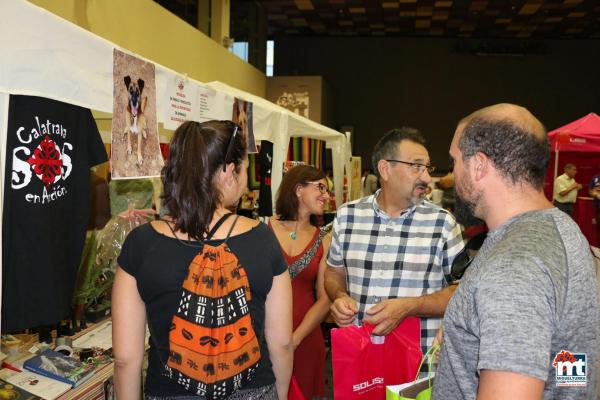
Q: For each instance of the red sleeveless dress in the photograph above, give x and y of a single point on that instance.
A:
(309, 357)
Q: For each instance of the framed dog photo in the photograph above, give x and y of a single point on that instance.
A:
(135, 150)
(242, 115)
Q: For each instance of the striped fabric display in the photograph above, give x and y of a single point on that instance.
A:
(310, 151)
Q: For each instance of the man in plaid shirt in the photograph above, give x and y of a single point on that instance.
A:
(391, 252)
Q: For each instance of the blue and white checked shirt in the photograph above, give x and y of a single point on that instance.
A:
(385, 258)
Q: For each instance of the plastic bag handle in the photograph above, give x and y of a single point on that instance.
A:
(429, 356)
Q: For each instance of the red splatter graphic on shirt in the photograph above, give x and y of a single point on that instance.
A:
(46, 161)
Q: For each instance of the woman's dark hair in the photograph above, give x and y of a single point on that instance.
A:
(196, 153)
(287, 203)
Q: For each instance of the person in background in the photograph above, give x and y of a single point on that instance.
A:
(524, 322)
(565, 190)
(391, 252)
(301, 198)
(369, 183)
(446, 184)
(436, 194)
(204, 176)
(595, 193)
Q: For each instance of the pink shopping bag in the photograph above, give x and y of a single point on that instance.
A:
(362, 367)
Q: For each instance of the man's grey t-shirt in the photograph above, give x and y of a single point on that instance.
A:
(530, 293)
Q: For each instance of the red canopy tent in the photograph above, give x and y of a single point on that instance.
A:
(578, 143)
(583, 134)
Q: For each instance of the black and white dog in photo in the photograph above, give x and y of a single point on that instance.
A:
(135, 120)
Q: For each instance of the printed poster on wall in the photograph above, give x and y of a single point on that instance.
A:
(213, 104)
(182, 102)
(296, 102)
(135, 150)
(242, 115)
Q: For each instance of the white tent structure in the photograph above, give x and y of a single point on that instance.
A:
(45, 55)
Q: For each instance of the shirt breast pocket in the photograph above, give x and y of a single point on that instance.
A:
(420, 252)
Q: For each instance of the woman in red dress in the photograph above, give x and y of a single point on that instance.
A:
(302, 197)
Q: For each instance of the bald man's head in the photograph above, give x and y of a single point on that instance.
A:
(518, 116)
(511, 137)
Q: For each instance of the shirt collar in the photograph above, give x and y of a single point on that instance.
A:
(380, 212)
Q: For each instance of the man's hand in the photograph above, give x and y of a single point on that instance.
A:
(343, 310)
(387, 314)
(579, 186)
(439, 336)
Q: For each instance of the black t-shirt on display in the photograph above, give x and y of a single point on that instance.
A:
(50, 148)
(265, 159)
(160, 263)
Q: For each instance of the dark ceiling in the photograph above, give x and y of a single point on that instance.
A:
(557, 19)
(503, 19)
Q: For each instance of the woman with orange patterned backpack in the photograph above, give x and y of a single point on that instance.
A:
(212, 286)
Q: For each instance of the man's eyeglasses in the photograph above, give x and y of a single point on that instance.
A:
(416, 167)
(321, 186)
(230, 145)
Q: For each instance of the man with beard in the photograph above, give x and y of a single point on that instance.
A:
(524, 321)
(393, 248)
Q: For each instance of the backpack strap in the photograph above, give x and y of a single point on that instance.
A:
(218, 224)
(170, 227)
(231, 228)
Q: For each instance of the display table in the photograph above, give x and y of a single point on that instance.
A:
(584, 213)
(99, 386)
